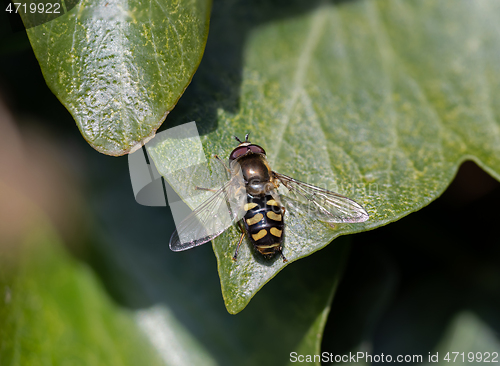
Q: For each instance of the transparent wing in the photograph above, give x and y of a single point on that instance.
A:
(327, 206)
(212, 217)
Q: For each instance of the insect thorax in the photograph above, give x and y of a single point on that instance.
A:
(256, 173)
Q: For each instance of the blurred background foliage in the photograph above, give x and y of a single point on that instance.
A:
(77, 288)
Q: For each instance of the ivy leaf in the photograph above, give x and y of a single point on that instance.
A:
(119, 67)
(379, 101)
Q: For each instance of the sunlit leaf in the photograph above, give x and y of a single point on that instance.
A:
(118, 66)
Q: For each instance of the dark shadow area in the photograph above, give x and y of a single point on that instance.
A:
(10, 19)
(407, 281)
(39, 13)
(27, 95)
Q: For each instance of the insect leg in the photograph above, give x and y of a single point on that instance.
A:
(205, 189)
(282, 256)
(222, 162)
(238, 247)
(239, 243)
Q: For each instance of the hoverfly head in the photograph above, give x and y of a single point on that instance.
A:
(245, 148)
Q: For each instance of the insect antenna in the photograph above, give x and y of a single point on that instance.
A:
(246, 138)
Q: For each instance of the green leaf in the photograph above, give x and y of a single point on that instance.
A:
(378, 100)
(54, 311)
(467, 332)
(119, 67)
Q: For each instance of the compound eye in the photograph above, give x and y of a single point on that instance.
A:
(242, 150)
(239, 151)
(256, 149)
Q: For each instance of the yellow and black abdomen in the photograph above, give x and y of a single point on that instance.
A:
(264, 223)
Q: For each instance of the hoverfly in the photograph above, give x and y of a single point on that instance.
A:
(250, 198)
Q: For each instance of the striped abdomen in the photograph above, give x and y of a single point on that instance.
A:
(264, 223)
